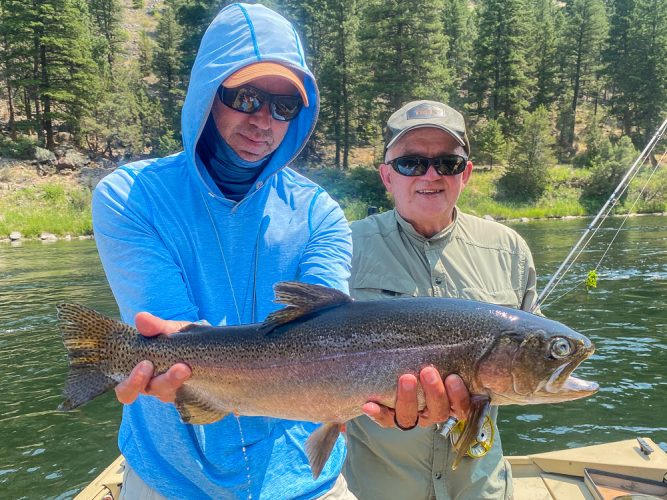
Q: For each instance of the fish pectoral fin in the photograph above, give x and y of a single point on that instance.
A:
(194, 409)
(302, 299)
(319, 446)
(479, 408)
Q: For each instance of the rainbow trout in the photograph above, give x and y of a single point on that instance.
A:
(323, 356)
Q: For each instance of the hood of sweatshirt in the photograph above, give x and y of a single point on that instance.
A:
(240, 35)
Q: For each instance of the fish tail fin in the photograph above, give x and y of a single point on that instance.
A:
(85, 335)
(319, 446)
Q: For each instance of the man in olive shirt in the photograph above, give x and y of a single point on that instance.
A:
(427, 247)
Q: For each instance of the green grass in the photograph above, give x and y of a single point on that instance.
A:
(62, 209)
(53, 208)
(560, 199)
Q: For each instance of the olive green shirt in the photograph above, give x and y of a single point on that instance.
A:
(470, 259)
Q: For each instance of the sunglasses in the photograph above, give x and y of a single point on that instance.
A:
(412, 166)
(248, 99)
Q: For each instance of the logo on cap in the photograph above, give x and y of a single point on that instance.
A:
(423, 111)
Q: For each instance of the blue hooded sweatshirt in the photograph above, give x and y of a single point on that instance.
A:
(173, 245)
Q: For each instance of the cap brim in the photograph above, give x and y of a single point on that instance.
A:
(426, 125)
(262, 69)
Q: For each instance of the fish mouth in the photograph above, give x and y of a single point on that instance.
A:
(568, 386)
(563, 386)
(560, 385)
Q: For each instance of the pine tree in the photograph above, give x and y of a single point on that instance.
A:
(404, 53)
(500, 83)
(637, 64)
(460, 32)
(107, 16)
(533, 155)
(17, 63)
(69, 77)
(489, 143)
(584, 40)
(48, 58)
(546, 34)
(339, 75)
(168, 63)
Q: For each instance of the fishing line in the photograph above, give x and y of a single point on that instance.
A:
(587, 241)
(618, 231)
(601, 216)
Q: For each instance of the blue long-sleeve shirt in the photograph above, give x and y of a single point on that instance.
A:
(173, 245)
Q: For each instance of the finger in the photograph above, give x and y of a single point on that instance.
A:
(150, 325)
(459, 397)
(164, 386)
(379, 414)
(128, 390)
(406, 401)
(437, 403)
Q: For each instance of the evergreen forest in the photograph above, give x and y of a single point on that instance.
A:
(541, 82)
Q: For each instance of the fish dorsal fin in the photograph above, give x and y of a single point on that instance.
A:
(302, 299)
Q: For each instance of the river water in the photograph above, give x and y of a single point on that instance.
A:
(47, 454)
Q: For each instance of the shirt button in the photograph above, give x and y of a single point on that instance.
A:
(438, 281)
(437, 475)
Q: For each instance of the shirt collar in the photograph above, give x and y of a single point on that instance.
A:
(436, 238)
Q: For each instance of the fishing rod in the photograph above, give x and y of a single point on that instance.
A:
(555, 279)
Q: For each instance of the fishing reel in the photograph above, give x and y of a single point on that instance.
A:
(482, 444)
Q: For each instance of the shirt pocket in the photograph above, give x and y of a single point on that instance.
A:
(506, 297)
(374, 287)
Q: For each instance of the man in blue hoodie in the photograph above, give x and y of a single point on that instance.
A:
(204, 235)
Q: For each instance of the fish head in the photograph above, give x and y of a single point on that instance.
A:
(533, 362)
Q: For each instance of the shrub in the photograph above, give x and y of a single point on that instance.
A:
(612, 163)
(526, 178)
(22, 149)
(355, 189)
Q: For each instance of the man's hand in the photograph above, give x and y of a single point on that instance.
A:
(141, 380)
(443, 399)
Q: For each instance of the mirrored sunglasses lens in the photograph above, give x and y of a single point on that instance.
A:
(410, 166)
(286, 108)
(451, 165)
(247, 100)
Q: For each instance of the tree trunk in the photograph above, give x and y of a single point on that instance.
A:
(39, 119)
(48, 120)
(10, 108)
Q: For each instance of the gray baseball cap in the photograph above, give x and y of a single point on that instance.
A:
(418, 114)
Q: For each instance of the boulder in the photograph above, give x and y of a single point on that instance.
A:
(15, 236)
(47, 236)
(42, 155)
(71, 160)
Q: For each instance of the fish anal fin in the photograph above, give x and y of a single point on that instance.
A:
(302, 299)
(319, 445)
(479, 408)
(195, 409)
(83, 384)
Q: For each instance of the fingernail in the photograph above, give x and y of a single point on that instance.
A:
(430, 376)
(181, 375)
(408, 384)
(145, 367)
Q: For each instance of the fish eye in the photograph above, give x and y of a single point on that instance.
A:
(560, 348)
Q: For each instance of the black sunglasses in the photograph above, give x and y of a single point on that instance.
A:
(418, 165)
(248, 99)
